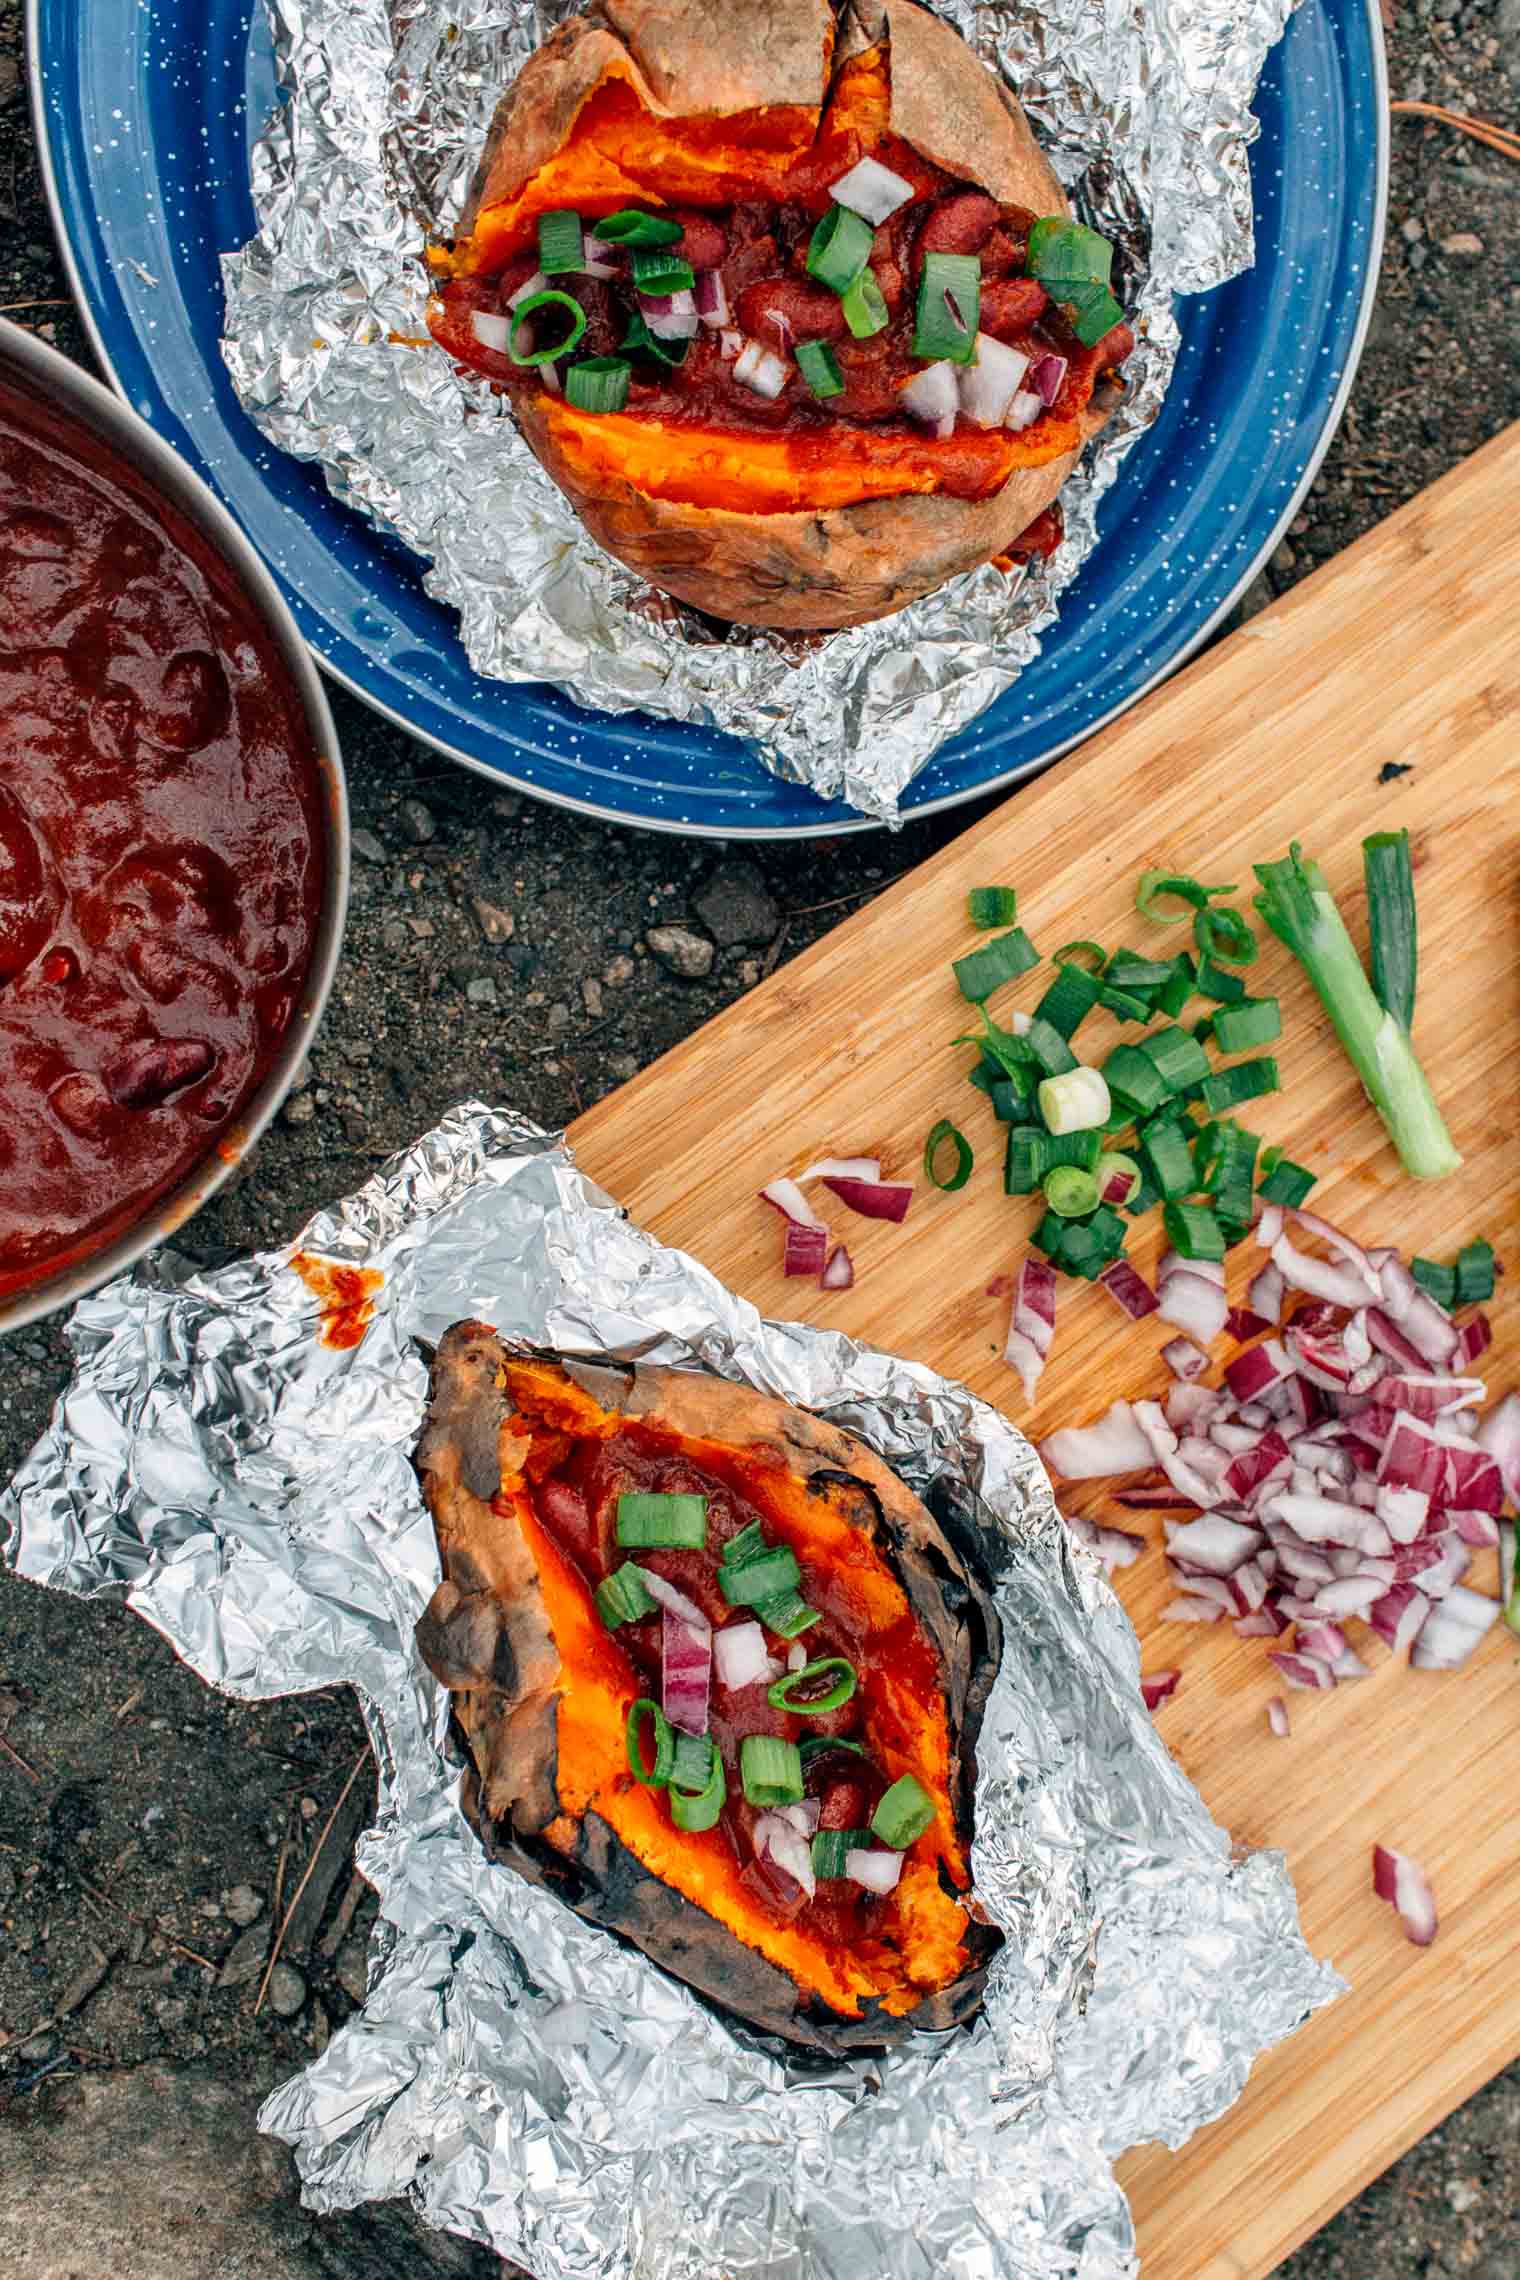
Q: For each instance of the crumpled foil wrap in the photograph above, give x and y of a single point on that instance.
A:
(1144, 108)
(525, 2078)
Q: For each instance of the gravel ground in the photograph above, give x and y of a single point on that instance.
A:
(149, 1830)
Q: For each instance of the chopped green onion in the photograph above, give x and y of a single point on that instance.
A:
(1050, 1050)
(1475, 1273)
(842, 1683)
(1070, 1193)
(1125, 1005)
(1074, 1100)
(1127, 971)
(787, 1615)
(1092, 309)
(755, 1580)
(523, 315)
(1050, 1235)
(1145, 1198)
(702, 1809)
(1218, 982)
(1178, 1059)
(630, 227)
(865, 311)
(622, 1598)
(1024, 1160)
(817, 1745)
(1011, 1053)
(561, 244)
(1067, 252)
(1286, 1183)
(1226, 1158)
(1167, 1158)
(1246, 1080)
(831, 1846)
(1092, 955)
(1391, 922)
(658, 271)
(1082, 1148)
(819, 367)
(1203, 1030)
(992, 906)
(1080, 1252)
(748, 1544)
(598, 384)
(656, 1772)
(949, 309)
(1012, 1098)
(1068, 1001)
(839, 249)
(1438, 1282)
(1155, 887)
(691, 1768)
(946, 1135)
(1134, 1080)
(639, 338)
(1250, 1021)
(1194, 1231)
(1224, 936)
(1300, 909)
(903, 1814)
(652, 1522)
(1001, 960)
(770, 1770)
(1107, 1230)
(1174, 993)
(1112, 1169)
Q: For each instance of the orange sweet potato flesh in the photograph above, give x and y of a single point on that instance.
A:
(542, 1697)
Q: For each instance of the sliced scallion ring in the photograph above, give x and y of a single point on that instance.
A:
(630, 227)
(1224, 936)
(1092, 955)
(561, 243)
(598, 384)
(839, 249)
(819, 367)
(656, 1773)
(700, 1809)
(865, 311)
(1155, 887)
(949, 307)
(946, 1135)
(987, 907)
(649, 1522)
(523, 315)
(903, 1814)
(659, 271)
(770, 1770)
(784, 1695)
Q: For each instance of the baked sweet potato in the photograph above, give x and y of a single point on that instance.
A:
(800, 492)
(532, 1469)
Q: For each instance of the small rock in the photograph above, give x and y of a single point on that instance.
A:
(299, 1109)
(38, 2049)
(171, 2011)
(481, 991)
(422, 928)
(496, 924)
(736, 906)
(417, 822)
(591, 996)
(243, 1904)
(619, 970)
(287, 1991)
(507, 806)
(309, 1808)
(1284, 561)
(353, 1969)
(245, 1958)
(559, 1016)
(624, 1066)
(1462, 2196)
(1411, 229)
(1463, 245)
(1257, 597)
(368, 847)
(393, 934)
(682, 952)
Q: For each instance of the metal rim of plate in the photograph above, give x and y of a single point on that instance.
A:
(835, 823)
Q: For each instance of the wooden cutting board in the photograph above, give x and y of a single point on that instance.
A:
(1405, 651)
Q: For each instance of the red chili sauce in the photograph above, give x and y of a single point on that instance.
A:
(578, 1507)
(161, 844)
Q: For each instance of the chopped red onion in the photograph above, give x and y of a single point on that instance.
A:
(1254, 1466)
(1173, 1263)
(1475, 1338)
(1338, 1286)
(1214, 1545)
(1348, 1595)
(1277, 1717)
(1305, 1672)
(1027, 407)
(1473, 1480)
(711, 297)
(760, 370)
(778, 1842)
(1326, 1640)
(741, 1654)
(1499, 1436)
(1427, 1326)
(839, 1270)
(1254, 1373)
(1413, 1457)
(1129, 1289)
(730, 344)
(1479, 1528)
(787, 1197)
(537, 283)
(987, 385)
(1190, 1610)
(1048, 375)
(1032, 1324)
(1428, 1394)
(673, 1602)
(806, 1250)
(686, 1652)
(1184, 1359)
(1267, 1622)
(1452, 1629)
(1115, 1444)
(1157, 1498)
(1190, 1407)
(1194, 1303)
(873, 1199)
(1264, 1292)
(873, 1871)
(841, 1168)
(599, 259)
(1403, 1511)
(492, 331)
(1390, 1340)
(804, 1816)
(1243, 1325)
(932, 398)
(1403, 1883)
(871, 190)
(1399, 1615)
(1163, 1445)
(1158, 1686)
(1115, 1547)
(670, 316)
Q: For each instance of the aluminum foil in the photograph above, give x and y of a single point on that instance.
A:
(523, 2077)
(1144, 107)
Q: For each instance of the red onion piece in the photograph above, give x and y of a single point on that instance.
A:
(741, 1654)
(1129, 1290)
(787, 1197)
(806, 1251)
(1115, 1547)
(1214, 1545)
(600, 259)
(873, 1199)
(1277, 1717)
(1158, 1686)
(839, 1272)
(1326, 1640)
(803, 1816)
(1254, 1373)
(1184, 1359)
(1048, 375)
(1453, 1629)
(1115, 1444)
(931, 398)
(778, 1843)
(1340, 1286)
(671, 316)
(673, 1602)
(1306, 1672)
(730, 344)
(1190, 1408)
(759, 369)
(987, 385)
(1253, 1468)
(1348, 1595)
(1426, 1393)
(1413, 1457)
(1173, 1263)
(686, 1651)
(1475, 1338)
(841, 1168)
(1473, 1480)
(711, 297)
(1027, 407)
(1267, 1622)
(1399, 1615)
(530, 285)
(1403, 1511)
(1191, 1610)
(1405, 1886)
(1499, 1437)
(1243, 1325)
(491, 330)
(1194, 1303)
(873, 1871)
(1264, 1292)
(871, 190)
(1160, 1498)
(1164, 1449)
(1478, 1528)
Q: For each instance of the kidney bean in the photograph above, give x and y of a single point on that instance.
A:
(783, 310)
(151, 1073)
(961, 223)
(1012, 305)
(842, 1804)
(703, 242)
(1002, 254)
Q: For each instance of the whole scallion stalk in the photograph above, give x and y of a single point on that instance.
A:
(1300, 909)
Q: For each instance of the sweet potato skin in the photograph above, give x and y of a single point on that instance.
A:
(820, 568)
(487, 1637)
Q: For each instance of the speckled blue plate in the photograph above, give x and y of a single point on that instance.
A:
(144, 115)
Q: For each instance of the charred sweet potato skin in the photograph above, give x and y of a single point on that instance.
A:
(510, 1640)
(681, 100)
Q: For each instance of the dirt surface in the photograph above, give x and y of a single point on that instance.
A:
(151, 1831)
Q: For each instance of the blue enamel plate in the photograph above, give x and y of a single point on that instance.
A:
(145, 113)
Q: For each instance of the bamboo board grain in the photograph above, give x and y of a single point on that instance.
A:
(1405, 649)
